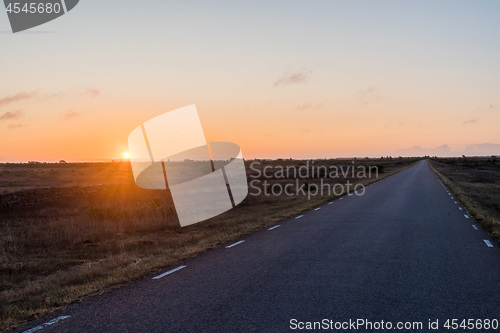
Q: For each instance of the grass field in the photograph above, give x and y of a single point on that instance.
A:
(71, 230)
(475, 181)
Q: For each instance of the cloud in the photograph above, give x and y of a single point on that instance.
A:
(369, 95)
(16, 126)
(11, 115)
(488, 107)
(470, 121)
(70, 115)
(17, 97)
(308, 106)
(442, 149)
(413, 151)
(92, 92)
(89, 92)
(482, 149)
(293, 78)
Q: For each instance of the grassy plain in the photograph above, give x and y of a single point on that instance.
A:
(475, 181)
(71, 230)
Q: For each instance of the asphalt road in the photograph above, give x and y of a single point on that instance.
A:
(403, 252)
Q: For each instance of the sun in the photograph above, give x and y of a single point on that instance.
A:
(126, 155)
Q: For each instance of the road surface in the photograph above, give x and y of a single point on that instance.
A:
(405, 252)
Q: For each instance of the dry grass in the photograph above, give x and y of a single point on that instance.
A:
(475, 182)
(62, 240)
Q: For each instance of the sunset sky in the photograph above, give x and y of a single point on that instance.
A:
(299, 79)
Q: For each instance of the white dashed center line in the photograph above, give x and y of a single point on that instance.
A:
(276, 226)
(169, 272)
(460, 208)
(317, 208)
(330, 202)
(341, 198)
(475, 227)
(298, 217)
(52, 322)
(234, 244)
(452, 198)
(466, 216)
(488, 243)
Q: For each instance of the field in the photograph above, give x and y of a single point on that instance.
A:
(71, 230)
(475, 181)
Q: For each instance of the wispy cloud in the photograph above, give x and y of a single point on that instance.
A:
(70, 115)
(471, 121)
(17, 97)
(16, 126)
(11, 115)
(308, 106)
(293, 78)
(369, 95)
(443, 149)
(488, 107)
(89, 92)
(482, 149)
(92, 92)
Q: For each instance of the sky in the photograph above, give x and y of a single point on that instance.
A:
(300, 79)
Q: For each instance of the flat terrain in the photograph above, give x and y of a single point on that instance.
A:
(405, 252)
(475, 181)
(72, 230)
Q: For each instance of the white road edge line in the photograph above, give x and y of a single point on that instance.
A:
(466, 216)
(298, 217)
(276, 226)
(460, 208)
(234, 244)
(64, 7)
(317, 208)
(330, 202)
(488, 243)
(452, 198)
(52, 322)
(341, 198)
(456, 203)
(475, 227)
(169, 272)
